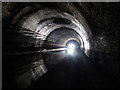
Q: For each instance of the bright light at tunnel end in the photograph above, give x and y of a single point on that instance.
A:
(70, 51)
(71, 48)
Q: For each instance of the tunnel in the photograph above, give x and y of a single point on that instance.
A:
(60, 45)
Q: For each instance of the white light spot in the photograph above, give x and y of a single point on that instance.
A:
(70, 51)
(70, 48)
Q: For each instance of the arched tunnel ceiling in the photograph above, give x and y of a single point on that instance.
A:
(97, 26)
(44, 28)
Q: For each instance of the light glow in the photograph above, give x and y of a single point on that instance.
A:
(70, 48)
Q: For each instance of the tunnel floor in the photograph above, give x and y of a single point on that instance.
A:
(76, 72)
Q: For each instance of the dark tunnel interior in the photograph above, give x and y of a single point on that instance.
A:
(60, 45)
